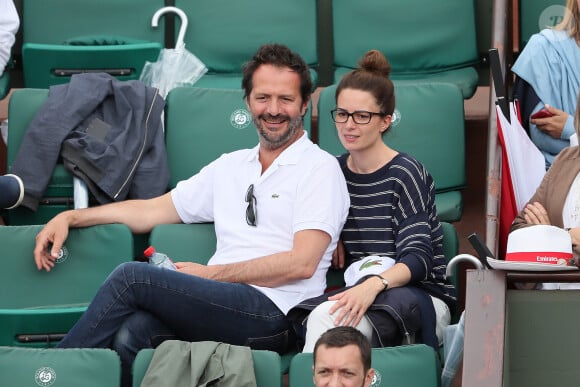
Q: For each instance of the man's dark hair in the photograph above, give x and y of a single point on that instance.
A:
(280, 56)
(342, 336)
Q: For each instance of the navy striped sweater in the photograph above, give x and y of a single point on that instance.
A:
(392, 213)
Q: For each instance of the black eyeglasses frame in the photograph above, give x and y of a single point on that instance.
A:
(353, 115)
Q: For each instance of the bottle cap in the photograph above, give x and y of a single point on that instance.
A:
(149, 251)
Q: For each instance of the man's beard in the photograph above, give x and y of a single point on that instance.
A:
(276, 140)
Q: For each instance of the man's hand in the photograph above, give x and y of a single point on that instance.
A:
(195, 269)
(553, 126)
(535, 213)
(49, 241)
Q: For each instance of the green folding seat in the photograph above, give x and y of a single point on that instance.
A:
(23, 106)
(185, 242)
(65, 37)
(429, 125)
(4, 84)
(204, 123)
(535, 15)
(225, 34)
(266, 367)
(87, 367)
(403, 366)
(431, 41)
(38, 307)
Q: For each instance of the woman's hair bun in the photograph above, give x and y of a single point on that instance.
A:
(375, 62)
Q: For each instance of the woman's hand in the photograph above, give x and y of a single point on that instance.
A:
(338, 256)
(535, 213)
(353, 303)
(553, 126)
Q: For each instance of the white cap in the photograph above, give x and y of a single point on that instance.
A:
(371, 264)
(539, 244)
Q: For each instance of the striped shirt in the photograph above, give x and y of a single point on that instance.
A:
(392, 213)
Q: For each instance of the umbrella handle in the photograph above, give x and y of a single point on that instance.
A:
(179, 44)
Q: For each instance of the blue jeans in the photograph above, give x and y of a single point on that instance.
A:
(140, 306)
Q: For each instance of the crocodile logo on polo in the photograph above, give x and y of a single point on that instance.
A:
(45, 376)
(240, 118)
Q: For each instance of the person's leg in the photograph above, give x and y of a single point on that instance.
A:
(193, 308)
(320, 320)
(140, 330)
(442, 317)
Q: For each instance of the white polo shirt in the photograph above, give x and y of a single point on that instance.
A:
(304, 188)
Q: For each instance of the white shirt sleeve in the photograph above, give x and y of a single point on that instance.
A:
(9, 23)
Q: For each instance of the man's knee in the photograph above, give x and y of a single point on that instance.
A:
(141, 330)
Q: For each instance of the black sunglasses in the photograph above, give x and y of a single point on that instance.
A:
(251, 211)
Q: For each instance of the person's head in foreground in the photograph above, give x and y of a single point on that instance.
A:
(342, 357)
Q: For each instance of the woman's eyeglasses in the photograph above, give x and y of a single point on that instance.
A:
(251, 211)
(340, 116)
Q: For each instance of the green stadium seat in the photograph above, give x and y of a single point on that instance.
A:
(185, 242)
(23, 106)
(87, 367)
(4, 84)
(204, 123)
(424, 41)
(225, 34)
(72, 36)
(266, 367)
(535, 15)
(36, 307)
(429, 125)
(403, 366)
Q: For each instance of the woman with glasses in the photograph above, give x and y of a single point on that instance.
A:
(396, 289)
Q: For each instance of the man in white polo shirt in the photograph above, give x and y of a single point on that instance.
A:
(278, 211)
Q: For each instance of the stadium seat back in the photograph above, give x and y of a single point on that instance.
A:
(36, 303)
(266, 367)
(87, 367)
(426, 41)
(225, 34)
(64, 37)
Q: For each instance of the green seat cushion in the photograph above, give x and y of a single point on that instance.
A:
(466, 79)
(266, 367)
(444, 42)
(224, 34)
(535, 15)
(40, 303)
(88, 367)
(4, 84)
(233, 80)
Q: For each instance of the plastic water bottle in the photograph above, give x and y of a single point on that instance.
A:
(158, 259)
